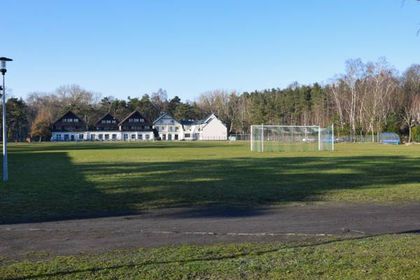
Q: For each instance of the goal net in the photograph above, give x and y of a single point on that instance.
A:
(278, 138)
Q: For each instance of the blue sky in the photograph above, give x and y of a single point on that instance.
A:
(128, 48)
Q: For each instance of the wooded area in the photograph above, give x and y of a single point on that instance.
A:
(366, 99)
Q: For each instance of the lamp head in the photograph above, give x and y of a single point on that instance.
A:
(3, 60)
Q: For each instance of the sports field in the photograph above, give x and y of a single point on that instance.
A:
(63, 181)
(51, 181)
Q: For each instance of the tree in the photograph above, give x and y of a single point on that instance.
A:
(41, 126)
(173, 104)
(410, 98)
(17, 119)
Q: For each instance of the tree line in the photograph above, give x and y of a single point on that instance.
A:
(368, 98)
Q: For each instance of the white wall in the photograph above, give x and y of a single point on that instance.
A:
(214, 130)
(102, 136)
(169, 128)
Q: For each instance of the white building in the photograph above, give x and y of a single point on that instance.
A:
(168, 128)
(136, 128)
(210, 128)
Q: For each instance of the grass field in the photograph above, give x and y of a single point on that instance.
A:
(54, 181)
(64, 180)
(384, 257)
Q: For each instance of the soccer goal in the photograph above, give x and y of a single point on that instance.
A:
(277, 138)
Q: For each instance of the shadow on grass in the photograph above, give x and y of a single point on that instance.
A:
(48, 186)
(68, 146)
(183, 261)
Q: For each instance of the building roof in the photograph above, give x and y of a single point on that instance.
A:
(130, 115)
(69, 113)
(164, 115)
(104, 116)
(198, 122)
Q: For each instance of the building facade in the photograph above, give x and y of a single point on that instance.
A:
(209, 129)
(135, 127)
(168, 128)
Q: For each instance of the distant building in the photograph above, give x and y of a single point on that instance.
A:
(69, 128)
(168, 128)
(135, 127)
(211, 128)
(106, 128)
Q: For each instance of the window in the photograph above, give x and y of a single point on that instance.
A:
(187, 135)
(114, 136)
(76, 120)
(66, 137)
(125, 136)
(80, 136)
(114, 121)
(100, 136)
(133, 136)
(140, 136)
(92, 137)
(58, 136)
(106, 136)
(147, 136)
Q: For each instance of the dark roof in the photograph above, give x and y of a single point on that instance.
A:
(68, 114)
(197, 122)
(191, 122)
(130, 115)
(104, 116)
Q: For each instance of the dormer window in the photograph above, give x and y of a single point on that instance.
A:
(70, 120)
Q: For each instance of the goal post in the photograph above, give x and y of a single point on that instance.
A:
(276, 138)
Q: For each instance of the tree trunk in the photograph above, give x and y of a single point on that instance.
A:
(409, 134)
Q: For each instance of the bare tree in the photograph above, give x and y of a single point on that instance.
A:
(410, 96)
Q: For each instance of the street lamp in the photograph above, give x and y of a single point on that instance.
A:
(3, 71)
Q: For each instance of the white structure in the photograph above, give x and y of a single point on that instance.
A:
(136, 128)
(210, 128)
(265, 138)
(168, 128)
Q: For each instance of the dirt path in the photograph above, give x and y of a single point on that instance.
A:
(205, 226)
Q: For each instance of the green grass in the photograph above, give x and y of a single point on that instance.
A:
(65, 180)
(384, 257)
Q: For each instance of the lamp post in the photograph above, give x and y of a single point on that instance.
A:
(3, 71)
